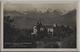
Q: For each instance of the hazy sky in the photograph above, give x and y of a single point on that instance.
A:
(38, 5)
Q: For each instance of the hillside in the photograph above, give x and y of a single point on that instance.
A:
(29, 18)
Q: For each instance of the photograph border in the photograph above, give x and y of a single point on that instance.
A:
(41, 49)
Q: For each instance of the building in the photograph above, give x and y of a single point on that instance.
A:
(40, 28)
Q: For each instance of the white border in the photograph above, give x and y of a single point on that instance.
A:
(40, 49)
(1, 25)
(78, 26)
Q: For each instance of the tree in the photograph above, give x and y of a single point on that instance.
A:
(8, 29)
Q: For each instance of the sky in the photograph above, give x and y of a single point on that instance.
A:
(42, 6)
